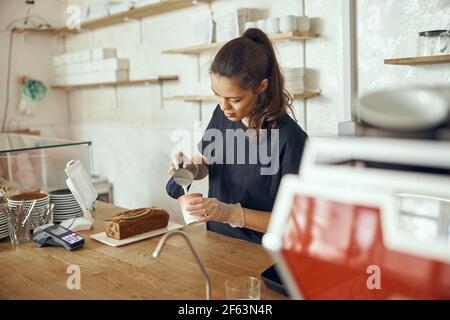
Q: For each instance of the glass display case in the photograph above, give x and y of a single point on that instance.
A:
(32, 162)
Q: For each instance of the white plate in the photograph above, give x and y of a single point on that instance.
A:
(406, 109)
(67, 204)
(66, 217)
(67, 213)
(63, 200)
(102, 237)
(56, 209)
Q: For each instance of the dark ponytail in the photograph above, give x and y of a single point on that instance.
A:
(250, 59)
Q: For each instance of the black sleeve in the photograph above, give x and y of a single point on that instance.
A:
(292, 155)
(213, 124)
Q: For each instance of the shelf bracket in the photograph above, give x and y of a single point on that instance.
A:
(116, 99)
(200, 105)
(161, 93)
(199, 71)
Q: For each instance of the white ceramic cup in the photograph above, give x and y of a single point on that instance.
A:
(273, 25)
(250, 25)
(288, 23)
(303, 24)
(262, 24)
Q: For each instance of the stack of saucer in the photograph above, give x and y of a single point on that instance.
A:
(66, 206)
(294, 79)
(42, 202)
(4, 232)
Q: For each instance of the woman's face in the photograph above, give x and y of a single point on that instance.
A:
(236, 103)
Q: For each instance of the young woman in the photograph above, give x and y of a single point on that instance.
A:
(249, 85)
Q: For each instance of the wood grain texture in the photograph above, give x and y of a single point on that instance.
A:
(286, 36)
(130, 272)
(130, 15)
(419, 60)
(198, 98)
(142, 82)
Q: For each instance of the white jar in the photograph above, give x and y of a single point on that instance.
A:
(262, 24)
(273, 25)
(303, 24)
(288, 23)
(250, 25)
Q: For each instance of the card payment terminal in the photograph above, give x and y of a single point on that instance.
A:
(57, 236)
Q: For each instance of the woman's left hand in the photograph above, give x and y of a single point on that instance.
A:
(211, 209)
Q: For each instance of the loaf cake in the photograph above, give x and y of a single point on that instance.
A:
(134, 222)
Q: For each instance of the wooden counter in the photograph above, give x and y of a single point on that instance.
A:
(130, 272)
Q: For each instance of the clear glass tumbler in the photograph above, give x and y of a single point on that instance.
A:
(19, 230)
(243, 288)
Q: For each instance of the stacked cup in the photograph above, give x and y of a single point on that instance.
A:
(287, 23)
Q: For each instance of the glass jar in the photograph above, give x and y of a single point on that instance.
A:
(430, 42)
(444, 42)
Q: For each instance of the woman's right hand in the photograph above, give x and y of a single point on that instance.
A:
(179, 160)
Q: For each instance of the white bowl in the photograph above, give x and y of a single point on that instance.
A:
(404, 109)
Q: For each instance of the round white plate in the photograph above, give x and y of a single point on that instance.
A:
(404, 109)
(67, 215)
(59, 216)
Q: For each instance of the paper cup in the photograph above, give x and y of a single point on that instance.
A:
(184, 203)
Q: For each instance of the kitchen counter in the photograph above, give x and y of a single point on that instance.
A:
(130, 272)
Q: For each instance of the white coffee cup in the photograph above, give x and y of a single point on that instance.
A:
(303, 24)
(250, 25)
(273, 25)
(184, 203)
(262, 24)
(288, 23)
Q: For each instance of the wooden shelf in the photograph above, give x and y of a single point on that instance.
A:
(200, 98)
(192, 98)
(134, 14)
(139, 13)
(118, 84)
(306, 95)
(419, 60)
(50, 32)
(287, 36)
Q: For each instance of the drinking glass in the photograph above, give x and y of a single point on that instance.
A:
(243, 288)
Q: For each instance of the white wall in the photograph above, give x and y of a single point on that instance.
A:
(389, 29)
(32, 56)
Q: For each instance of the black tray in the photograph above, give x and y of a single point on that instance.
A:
(273, 281)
